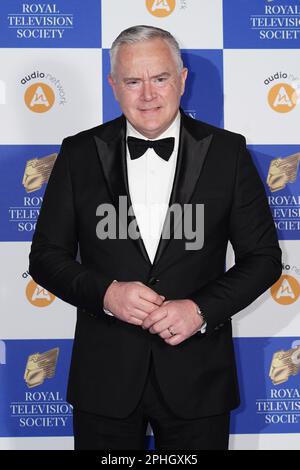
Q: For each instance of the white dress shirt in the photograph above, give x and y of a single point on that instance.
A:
(150, 182)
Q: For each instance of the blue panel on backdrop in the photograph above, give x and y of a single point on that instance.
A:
(111, 109)
(59, 24)
(268, 404)
(278, 166)
(261, 24)
(203, 98)
(31, 403)
(22, 188)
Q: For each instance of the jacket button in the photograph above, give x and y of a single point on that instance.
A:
(152, 281)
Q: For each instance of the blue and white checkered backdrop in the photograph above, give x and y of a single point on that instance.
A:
(244, 74)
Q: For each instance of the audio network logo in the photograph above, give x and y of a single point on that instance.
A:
(44, 91)
(286, 290)
(38, 295)
(160, 8)
(283, 96)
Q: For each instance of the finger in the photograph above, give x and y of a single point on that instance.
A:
(174, 340)
(165, 334)
(135, 321)
(146, 306)
(155, 316)
(140, 314)
(161, 326)
(148, 294)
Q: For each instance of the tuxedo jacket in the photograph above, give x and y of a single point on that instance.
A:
(110, 359)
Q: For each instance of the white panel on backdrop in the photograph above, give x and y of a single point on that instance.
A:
(27, 311)
(204, 20)
(50, 93)
(236, 442)
(277, 311)
(264, 442)
(37, 443)
(261, 95)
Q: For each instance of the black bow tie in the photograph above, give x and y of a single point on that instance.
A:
(163, 147)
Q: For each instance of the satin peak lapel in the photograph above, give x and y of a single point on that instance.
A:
(112, 156)
(191, 156)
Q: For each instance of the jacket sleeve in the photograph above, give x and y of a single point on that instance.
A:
(52, 260)
(257, 253)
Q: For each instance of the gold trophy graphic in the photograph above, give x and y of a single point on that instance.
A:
(40, 367)
(282, 171)
(284, 364)
(37, 172)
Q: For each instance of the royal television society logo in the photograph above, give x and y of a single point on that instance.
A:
(285, 364)
(40, 21)
(37, 171)
(40, 366)
(281, 406)
(160, 8)
(40, 409)
(38, 295)
(276, 22)
(283, 92)
(285, 207)
(283, 171)
(43, 91)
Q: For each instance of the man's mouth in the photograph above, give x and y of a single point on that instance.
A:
(149, 110)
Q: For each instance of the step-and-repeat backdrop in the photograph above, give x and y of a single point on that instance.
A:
(244, 74)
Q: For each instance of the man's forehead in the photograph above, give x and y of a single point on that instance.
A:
(131, 57)
(154, 47)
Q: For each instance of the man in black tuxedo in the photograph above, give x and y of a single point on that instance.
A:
(153, 341)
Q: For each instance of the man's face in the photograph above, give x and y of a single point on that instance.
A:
(148, 85)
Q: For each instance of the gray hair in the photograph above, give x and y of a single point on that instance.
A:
(140, 33)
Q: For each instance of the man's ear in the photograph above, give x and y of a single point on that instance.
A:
(184, 74)
(113, 85)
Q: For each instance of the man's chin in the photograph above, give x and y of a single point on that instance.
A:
(151, 132)
(149, 127)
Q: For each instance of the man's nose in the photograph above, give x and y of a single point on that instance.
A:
(148, 91)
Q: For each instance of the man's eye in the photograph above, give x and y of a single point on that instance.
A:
(160, 80)
(132, 83)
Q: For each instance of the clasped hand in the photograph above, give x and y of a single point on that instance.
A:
(133, 302)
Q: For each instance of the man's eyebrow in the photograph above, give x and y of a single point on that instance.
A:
(126, 79)
(163, 74)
